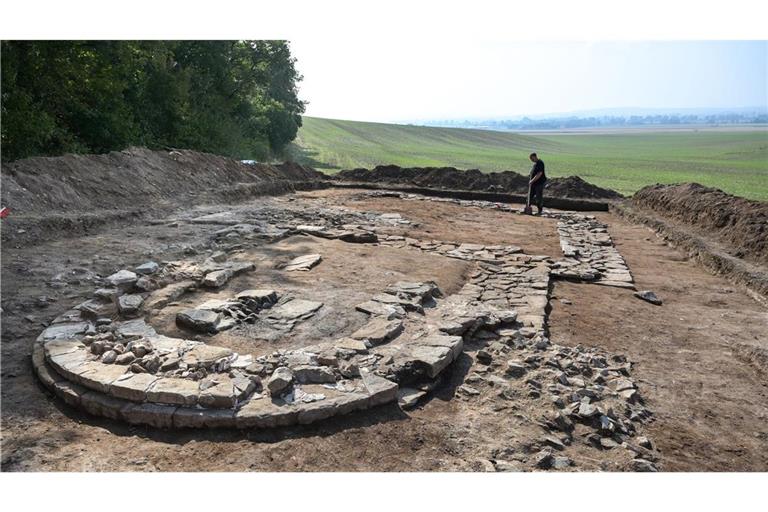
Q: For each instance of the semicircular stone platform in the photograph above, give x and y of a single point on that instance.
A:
(106, 358)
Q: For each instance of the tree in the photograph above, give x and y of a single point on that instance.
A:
(236, 98)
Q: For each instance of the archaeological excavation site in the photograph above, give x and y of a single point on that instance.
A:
(179, 311)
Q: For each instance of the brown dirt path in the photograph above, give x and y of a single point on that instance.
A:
(710, 406)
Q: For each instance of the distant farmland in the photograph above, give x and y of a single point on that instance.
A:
(734, 160)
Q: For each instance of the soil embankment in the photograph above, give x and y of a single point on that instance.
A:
(739, 224)
(72, 193)
(455, 179)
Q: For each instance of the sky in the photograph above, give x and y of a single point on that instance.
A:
(399, 79)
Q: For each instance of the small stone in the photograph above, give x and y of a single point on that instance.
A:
(147, 268)
(561, 462)
(349, 369)
(503, 466)
(515, 369)
(307, 374)
(644, 466)
(280, 380)
(201, 320)
(587, 410)
(219, 256)
(554, 442)
(379, 330)
(124, 279)
(145, 284)
(607, 443)
(543, 459)
(644, 442)
(484, 357)
(648, 296)
(129, 304)
(125, 358)
(109, 357)
(467, 390)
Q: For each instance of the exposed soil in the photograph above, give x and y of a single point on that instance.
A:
(51, 196)
(739, 224)
(710, 404)
(455, 179)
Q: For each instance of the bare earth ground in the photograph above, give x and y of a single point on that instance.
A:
(710, 407)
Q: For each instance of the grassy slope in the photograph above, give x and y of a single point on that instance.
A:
(734, 161)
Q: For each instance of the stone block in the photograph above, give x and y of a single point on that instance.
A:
(175, 391)
(133, 386)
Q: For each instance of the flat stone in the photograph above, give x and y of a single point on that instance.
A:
(217, 278)
(98, 376)
(379, 330)
(174, 391)
(294, 310)
(220, 396)
(465, 389)
(265, 413)
(204, 355)
(358, 346)
(407, 398)
(184, 417)
(100, 404)
(410, 289)
(306, 374)
(58, 347)
(387, 311)
(64, 331)
(435, 359)
(132, 387)
(135, 328)
(380, 390)
(358, 237)
(202, 320)
(154, 415)
(648, 296)
(303, 263)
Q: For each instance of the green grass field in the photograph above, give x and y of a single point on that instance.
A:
(733, 160)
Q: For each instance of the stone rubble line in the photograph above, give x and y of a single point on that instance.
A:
(370, 368)
(589, 252)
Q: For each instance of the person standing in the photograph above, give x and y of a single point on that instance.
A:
(537, 180)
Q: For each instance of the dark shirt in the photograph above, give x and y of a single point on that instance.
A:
(537, 168)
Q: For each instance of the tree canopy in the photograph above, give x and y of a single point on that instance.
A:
(234, 98)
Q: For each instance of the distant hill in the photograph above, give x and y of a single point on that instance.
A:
(735, 160)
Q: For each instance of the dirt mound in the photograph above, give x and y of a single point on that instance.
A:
(740, 224)
(472, 179)
(131, 178)
(575, 187)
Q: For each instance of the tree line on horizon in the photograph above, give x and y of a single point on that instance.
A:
(233, 98)
(570, 122)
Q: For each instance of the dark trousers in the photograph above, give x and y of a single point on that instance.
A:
(537, 195)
